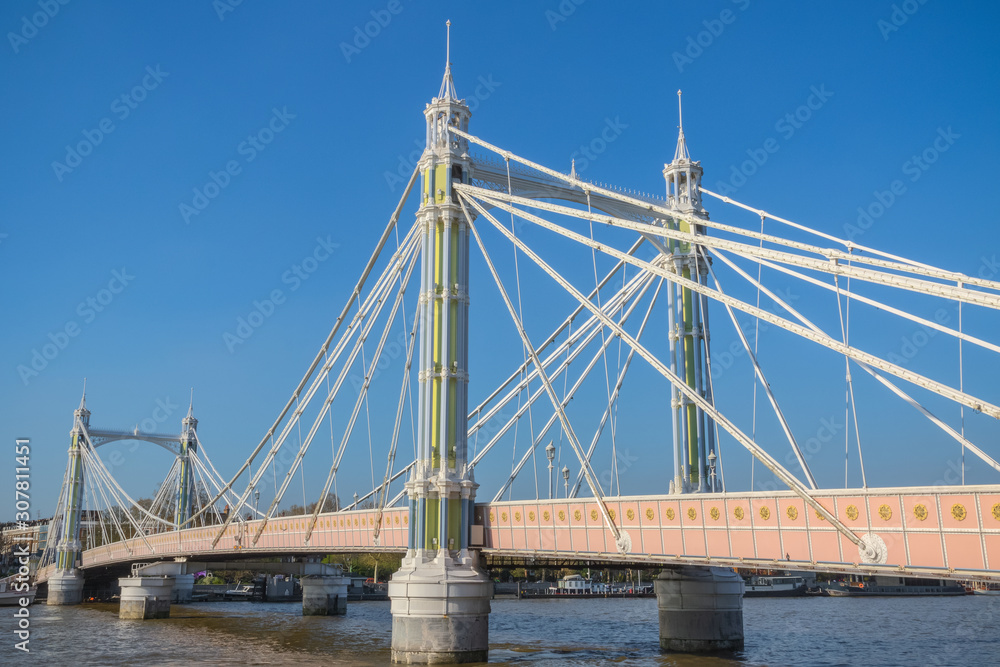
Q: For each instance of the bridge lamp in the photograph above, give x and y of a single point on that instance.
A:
(711, 469)
(355, 501)
(550, 452)
(256, 500)
(566, 479)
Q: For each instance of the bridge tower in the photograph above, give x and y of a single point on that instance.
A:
(440, 596)
(693, 431)
(700, 608)
(188, 445)
(66, 584)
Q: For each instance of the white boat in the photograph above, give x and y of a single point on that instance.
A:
(11, 592)
(774, 586)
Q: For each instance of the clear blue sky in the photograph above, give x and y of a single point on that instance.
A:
(549, 76)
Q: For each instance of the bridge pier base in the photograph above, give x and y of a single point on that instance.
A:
(700, 609)
(145, 597)
(440, 611)
(183, 588)
(324, 595)
(65, 587)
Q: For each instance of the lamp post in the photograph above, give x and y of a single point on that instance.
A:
(355, 501)
(566, 479)
(550, 452)
(256, 500)
(711, 468)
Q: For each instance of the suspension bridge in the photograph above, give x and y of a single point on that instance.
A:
(484, 208)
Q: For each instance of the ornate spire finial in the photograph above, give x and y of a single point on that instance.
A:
(191, 404)
(448, 84)
(682, 150)
(83, 399)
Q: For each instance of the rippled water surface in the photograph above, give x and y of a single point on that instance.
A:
(907, 632)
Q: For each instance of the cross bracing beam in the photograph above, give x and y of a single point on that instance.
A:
(663, 213)
(817, 337)
(371, 306)
(766, 459)
(568, 396)
(409, 258)
(986, 458)
(620, 539)
(834, 265)
(324, 348)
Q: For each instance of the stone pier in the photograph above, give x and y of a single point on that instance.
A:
(183, 588)
(145, 597)
(324, 595)
(700, 609)
(65, 587)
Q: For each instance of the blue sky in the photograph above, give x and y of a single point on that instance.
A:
(163, 96)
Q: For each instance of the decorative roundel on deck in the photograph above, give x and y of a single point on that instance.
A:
(792, 512)
(820, 516)
(885, 512)
(396, 519)
(630, 513)
(670, 513)
(958, 511)
(493, 516)
(517, 516)
(546, 515)
(562, 515)
(714, 513)
(355, 521)
(738, 513)
(364, 522)
(593, 515)
(503, 516)
(692, 514)
(531, 516)
(765, 513)
(649, 513)
(852, 512)
(612, 513)
(341, 523)
(996, 511)
(406, 519)
(920, 511)
(577, 515)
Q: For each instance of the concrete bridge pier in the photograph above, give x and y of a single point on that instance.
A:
(700, 609)
(440, 611)
(324, 595)
(65, 587)
(145, 597)
(183, 588)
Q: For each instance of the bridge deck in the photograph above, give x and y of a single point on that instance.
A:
(951, 532)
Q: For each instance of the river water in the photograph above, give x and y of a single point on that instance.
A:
(909, 632)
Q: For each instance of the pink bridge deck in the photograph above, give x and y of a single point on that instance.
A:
(948, 531)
